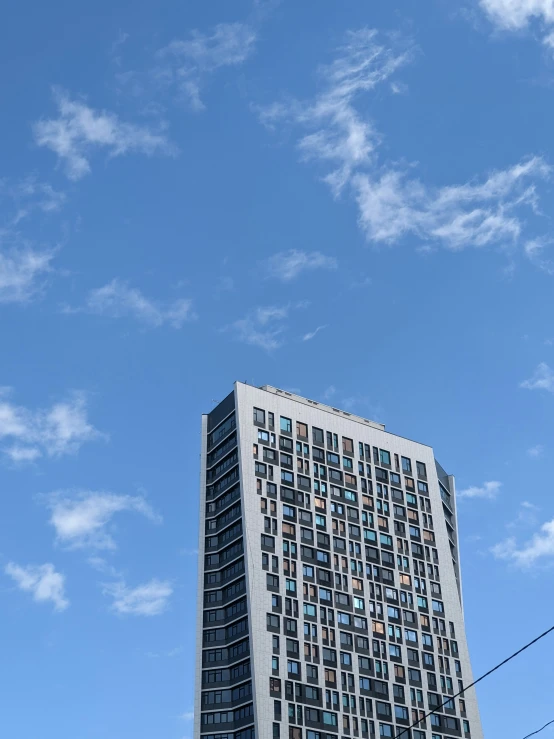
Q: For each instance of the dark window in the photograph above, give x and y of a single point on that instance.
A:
(259, 415)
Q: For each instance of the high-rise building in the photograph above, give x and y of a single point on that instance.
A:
(330, 599)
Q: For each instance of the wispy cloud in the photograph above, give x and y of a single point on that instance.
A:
(487, 490)
(264, 327)
(82, 519)
(329, 392)
(535, 250)
(149, 599)
(79, 130)
(392, 204)
(311, 334)
(29, 195)
(526, 517)
(542, 379)
(337, 134)
(42, 581)
(535, 451)
(169, 653)
(187, 716)
(287, 265)
(516, 15)
(478, 214)
(539, 547)
(23, 271)
(185, 64)
(119, 300)
(26, 435)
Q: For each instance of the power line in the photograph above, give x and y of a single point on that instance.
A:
(498, 666)
(539, 731)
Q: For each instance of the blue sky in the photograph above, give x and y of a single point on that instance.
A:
(353, 202)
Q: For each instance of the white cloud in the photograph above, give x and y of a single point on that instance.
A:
(535, 250)
(116, 299)
(329, 392)
(527, 516)
(264, 327)
(29, 195)
(185, 64)
(540, 546)
(487, 490)
(79, 129)
(393, 204)
(473, 214)
(337, 133)
(187, 716)
(516, 15)
(22, 273)
(42, 581)
(150, 599)
(82, 519)
(311, 334)
(61, 429)
(542, 379)
(535, 451)
(287, 265)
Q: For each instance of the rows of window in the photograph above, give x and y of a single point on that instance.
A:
(343, 589)
(225, 657)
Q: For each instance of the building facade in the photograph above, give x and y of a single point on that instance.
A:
(329, 588)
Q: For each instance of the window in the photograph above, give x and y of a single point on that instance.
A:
(414, 675)
(309, 609)
(293, 667)
(385, 539)
(406, 466)
(311, 671)
(301, 430)
(260, 468)
(287, 476)
(385, 730)
(273, 621)
(384, 457)
(421, 469)
(308, 571)
(410, 635)
(401, 712)
(428, 660)
(438, 606)
(259, 415)
(286, 425)
(263, 436)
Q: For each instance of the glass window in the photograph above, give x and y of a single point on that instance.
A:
(301, 429)
(406, 465)
(384, 457)
(286, 425)
(259, 415)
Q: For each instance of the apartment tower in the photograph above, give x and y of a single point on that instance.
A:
(329, 584)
